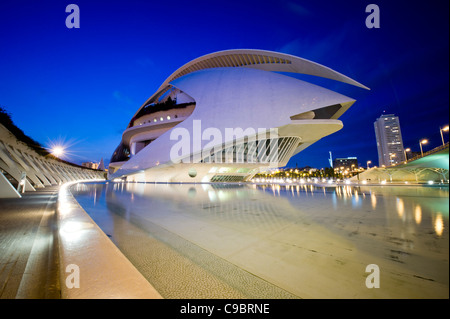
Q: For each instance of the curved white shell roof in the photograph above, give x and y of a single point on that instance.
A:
(263, 60)
(256, 59)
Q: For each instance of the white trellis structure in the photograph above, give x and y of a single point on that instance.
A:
(21, 168)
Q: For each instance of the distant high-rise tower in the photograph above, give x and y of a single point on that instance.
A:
(389, 140)
(101, 165)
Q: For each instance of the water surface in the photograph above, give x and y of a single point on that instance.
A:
(272, 241)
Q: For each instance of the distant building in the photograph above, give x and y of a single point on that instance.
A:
(389, 140)
(90, 165)
(349, 163)
(101, 165)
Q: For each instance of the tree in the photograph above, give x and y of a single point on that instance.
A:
(6, 121)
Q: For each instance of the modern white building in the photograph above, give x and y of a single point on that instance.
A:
(389, 140)
(226, 116)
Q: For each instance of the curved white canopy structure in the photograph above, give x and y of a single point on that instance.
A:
(256, 59)
(262, 60)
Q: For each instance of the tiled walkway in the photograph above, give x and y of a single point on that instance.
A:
(28, 248)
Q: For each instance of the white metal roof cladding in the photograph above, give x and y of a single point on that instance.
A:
(263, 60)
(256, 59)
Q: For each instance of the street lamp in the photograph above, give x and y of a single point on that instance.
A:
(420, 143)
(58, 151)
(406, 150)
(442, 136)
(368, 162)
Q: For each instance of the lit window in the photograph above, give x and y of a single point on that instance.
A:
(154, 120)
(168, 117)
(161, 119)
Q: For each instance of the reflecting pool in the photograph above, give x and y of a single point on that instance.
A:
(274, 241)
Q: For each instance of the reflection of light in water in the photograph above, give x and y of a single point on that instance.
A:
(276, 190)
(439, 225)
(338, 191)
(355, 200)
(334, 198)
(344, 192)
(418, 214)
(212, 196)
(74, 231)
(224, 195)
(373, 200)
(400, 207)
(348, 191)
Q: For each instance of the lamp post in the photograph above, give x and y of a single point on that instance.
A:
(58, 151)
(406, 150)
(445, 129)
(420, 143)
(368, 162)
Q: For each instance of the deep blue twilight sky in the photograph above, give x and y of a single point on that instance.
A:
(82, 86)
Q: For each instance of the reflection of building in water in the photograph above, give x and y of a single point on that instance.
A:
(236, 204)
(285, 235)
(256, 205)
